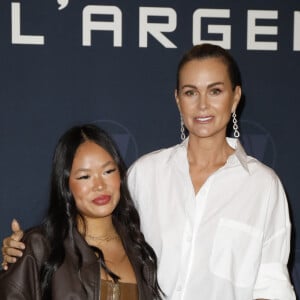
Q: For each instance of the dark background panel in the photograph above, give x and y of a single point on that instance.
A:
(129, 90)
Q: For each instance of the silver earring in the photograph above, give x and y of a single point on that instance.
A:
(182, 129)
(236, 132)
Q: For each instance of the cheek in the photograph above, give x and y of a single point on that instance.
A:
(185, 107)
(225, 105)
(78, 190)
(117, 187)
(116, 184)
(116, 199)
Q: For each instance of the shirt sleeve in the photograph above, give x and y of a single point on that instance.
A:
(134, 181)
(131, 181)
(273, 280)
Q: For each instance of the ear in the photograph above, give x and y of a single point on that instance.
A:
(177, 99)
(236, 97)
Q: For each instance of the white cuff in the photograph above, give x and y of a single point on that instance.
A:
(273, 283)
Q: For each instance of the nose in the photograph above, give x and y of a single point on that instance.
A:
(99, 183)
(202, 101)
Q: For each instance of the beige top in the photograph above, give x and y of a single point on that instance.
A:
(118, 291)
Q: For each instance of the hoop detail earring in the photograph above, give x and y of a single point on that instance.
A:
(236, 132)
(182, 129)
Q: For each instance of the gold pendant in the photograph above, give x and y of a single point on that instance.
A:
(115, 291)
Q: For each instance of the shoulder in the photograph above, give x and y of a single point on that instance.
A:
(260, 170)
(35, 237)
(263, 180)
(37, 247)
(257, 170)
(152, 159)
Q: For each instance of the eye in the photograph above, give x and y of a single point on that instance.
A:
(83, 177)
(109, 171)
(215, 91)
(190, 93)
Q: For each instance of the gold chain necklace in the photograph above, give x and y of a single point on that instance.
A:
(99, 239)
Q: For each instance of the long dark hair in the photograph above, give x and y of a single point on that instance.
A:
(207, 50)
(62, 215)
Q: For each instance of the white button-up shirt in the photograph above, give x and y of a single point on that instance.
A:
(230, 241)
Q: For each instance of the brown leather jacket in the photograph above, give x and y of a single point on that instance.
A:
(21, 280)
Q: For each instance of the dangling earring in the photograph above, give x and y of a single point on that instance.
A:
(236, 132)
(182, 129)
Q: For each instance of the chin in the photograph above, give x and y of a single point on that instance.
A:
(201, 134)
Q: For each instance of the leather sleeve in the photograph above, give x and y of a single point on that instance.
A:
(22, 279)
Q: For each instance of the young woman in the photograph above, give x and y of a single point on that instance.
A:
(90, 245)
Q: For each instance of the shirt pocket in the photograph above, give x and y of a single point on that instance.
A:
(236, 252)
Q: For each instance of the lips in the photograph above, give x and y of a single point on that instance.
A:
(102, 200)
(204, 119)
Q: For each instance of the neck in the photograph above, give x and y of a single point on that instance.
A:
(97, 227)
(208, 151)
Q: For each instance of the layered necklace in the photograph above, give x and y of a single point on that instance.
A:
(113, 287)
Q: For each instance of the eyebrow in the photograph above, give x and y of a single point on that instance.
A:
(110, 162)
(215, 83)
(195, 87)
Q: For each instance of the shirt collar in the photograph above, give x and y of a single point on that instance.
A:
(238, 157)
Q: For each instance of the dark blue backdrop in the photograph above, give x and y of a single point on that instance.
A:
(52, 77)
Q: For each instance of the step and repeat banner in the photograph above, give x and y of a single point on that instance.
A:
(114, 63)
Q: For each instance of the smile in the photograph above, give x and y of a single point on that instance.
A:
(204, 119)
(102, 200)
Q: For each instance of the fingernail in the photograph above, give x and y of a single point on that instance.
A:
(14, 259)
